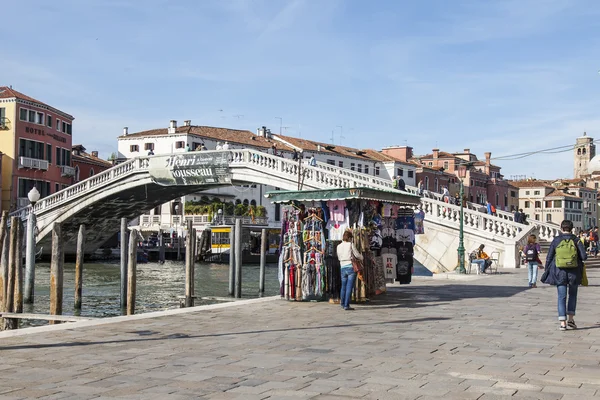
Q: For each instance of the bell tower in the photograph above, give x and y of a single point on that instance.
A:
(584, 151)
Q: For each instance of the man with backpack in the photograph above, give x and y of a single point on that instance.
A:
(564, 269)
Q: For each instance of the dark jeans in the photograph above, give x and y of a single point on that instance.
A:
(566, 308)
(348, 277)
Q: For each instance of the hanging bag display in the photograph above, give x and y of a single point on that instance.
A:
(357, 265)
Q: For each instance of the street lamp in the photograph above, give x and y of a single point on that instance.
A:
(462, 173)
(34, 197)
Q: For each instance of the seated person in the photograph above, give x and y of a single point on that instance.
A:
(483, 260)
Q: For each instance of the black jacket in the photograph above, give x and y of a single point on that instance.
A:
(564, 276)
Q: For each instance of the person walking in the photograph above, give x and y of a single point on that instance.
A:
(312, 161)
(488, 207)
(345, 251)
(446, 194)
(225, 146)
(564, 269)
(401, 184)
(532, 254)
(420, 187)
(594, 241)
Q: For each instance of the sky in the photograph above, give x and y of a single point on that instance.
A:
(506, 76)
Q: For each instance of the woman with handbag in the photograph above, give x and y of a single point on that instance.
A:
(346, 251)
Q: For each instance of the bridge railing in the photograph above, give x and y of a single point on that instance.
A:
(98, 180)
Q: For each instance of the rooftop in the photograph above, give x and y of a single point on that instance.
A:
(530, 184)
(7, 92)
(233, 136)
(83, 156)
(560, 193)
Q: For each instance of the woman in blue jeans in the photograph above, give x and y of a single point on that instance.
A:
(566, 280)
(345, 250)
(532, 256)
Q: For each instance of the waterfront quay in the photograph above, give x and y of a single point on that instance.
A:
(482, 338)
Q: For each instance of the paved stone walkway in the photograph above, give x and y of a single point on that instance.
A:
(482, 339)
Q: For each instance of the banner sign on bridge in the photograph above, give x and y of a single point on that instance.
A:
(190, 169)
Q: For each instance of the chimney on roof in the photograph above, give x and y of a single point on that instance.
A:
(488, 155)
(262, 131)
(95, 154)
(172, 126)
(467, 151)
(125, 131)
(436, 153)
(187, 122)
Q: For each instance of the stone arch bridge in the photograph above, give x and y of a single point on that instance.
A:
(140, 184)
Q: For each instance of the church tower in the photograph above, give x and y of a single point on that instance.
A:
(585, 150)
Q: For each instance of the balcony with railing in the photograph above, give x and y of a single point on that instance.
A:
(33, 163)
(65, 170)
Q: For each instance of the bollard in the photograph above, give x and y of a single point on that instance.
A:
(4, 242)
(30, 258)
(123, 263)
(56, 272)
(264, 241)
(9, 303)
(238, 258)
(189, 266)
(18, 307)
(231, 261)
(79, 267)
(131, 272)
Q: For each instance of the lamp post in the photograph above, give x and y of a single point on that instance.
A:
(34, 196)
(462, 174)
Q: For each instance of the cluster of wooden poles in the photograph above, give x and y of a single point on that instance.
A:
(12, 280)
(235, 260)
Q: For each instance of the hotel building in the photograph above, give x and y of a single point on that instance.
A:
(36, 146)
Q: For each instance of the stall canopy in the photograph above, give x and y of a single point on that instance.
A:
(359, 193)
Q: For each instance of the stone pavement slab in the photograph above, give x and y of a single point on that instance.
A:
(491, 337)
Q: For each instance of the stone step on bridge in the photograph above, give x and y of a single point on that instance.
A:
(140, 184)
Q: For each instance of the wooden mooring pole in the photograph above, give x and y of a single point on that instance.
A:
(79, 267)
(19, 270)
(238, 258)
(161, 246)
(264, 242)
(4, 242)
(189, 265)
(123, 263)
(132, 272)
(231, 261)
(56, 272)
(9, 302)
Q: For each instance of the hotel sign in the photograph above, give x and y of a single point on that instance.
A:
(196, 168)
(41, 132)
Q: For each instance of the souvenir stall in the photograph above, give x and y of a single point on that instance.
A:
(313, 222)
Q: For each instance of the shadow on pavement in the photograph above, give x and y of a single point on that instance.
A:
(428, 296)
(185, 336)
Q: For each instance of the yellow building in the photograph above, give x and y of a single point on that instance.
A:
(7, 148)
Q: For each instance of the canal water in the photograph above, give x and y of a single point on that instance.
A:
(158, 287)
